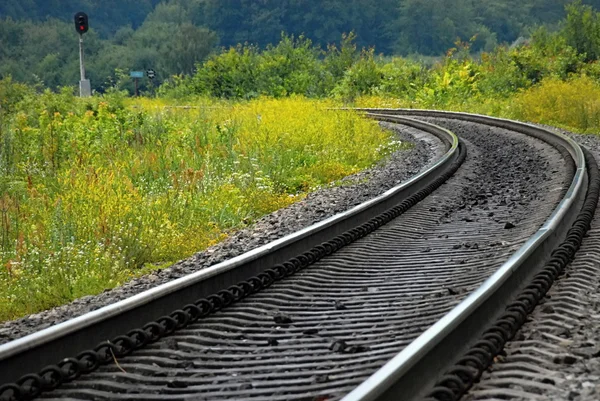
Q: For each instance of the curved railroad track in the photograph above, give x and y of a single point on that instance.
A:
(402, 297)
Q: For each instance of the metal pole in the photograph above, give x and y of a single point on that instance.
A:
(136, 87)
(81, 66)
(85, 88)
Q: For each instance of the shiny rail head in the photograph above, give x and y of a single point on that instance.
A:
(376, 385)
(489, 120)
(418, 124)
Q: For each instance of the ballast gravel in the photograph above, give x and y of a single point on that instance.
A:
(556, 354)
(316, 207)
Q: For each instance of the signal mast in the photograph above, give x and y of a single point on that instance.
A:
(81, 26)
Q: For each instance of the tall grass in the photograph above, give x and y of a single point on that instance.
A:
(95, 192)
(572, 104)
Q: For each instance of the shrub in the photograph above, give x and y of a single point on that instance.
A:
(231, 74)
(572, 104)
(291, 67)
(363, 78)
(403, 78)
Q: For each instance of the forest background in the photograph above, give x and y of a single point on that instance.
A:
(39, 44)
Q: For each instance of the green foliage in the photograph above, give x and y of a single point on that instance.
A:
(403, 78)
(106, 16)
(454, 81)
(572, 104)
(94, 192)
(11, 94)
(361, 78)
(432, 26)
(261, 22)
(506, 70)
(501, 75)
(48, 52)
(39, 44)
(231, 74)
(293, 66)
(338, 60)
(429, 27)
(168, 42)
(582, 30)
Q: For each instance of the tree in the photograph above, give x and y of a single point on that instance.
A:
(169, 42)
(582, 30)
(106, 16)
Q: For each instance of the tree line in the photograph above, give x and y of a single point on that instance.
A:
(39, 44)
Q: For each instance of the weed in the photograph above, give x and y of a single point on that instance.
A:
(95, 192)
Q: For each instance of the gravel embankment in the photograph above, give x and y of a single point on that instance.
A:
(315, 207)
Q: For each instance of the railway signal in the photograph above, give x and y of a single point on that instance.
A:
(81, 23)
(82, 26)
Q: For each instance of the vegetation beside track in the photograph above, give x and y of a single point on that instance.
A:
(572, 104)
(551, 77)
(95, 192)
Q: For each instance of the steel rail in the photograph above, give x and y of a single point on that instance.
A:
(32, 352)
(408, 375)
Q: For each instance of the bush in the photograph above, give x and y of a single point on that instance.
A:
(292, 67)
(233, 74)
(362, 78)
(572, 104)
(403, 78)
(11, 93)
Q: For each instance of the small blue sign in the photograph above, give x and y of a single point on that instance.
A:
(136, 74)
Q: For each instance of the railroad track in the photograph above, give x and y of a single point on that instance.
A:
(376, 303)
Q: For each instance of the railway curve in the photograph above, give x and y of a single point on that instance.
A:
(397, 267)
